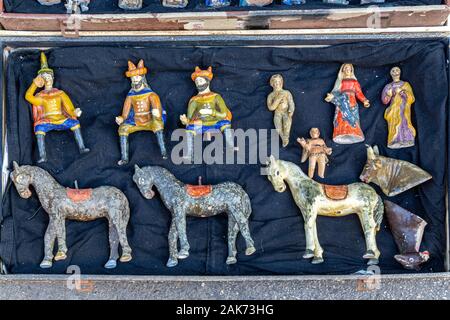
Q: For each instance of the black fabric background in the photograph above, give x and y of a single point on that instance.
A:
(110, 6)
(94, 79)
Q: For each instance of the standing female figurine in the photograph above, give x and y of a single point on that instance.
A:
(346, 92)
(398, 115)
(52, 110)
(281, 101)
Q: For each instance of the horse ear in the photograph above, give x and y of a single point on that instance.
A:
(137, 169)
(15, 165)
(370, 153)
(376, 151)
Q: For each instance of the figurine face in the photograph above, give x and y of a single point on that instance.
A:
(348, 70)
(277, 83)
(201, 83)
(315, 133)
(144, 183)
(395, 73)
(48, 80)
(22, 182)
(275, 175)
(137, 82)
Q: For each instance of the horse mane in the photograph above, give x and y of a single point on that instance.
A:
(292, 167)
(160, 172)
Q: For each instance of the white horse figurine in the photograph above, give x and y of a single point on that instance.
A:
(315, 199)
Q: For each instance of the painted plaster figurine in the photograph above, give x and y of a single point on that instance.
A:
(315, 199)
(49, 2)
(346, 92)
(74, 6)
(393, 176)
(399, 95)
(282, 103)
(175, 3)
(130, 4)
(316, 151)
(407, 229)
(293, 2)
(75, 204)
(207, 112)
(197, 201)
(257, 3)
(343, 2)
(52, 110)
(217, 3)
(142, 111)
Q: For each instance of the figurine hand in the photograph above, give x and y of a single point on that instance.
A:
(329, 97)
(328, 151)
(184, 120)
(156, 113)
(302, 141)
(78, 112)
(39, 81)
(206, 112)
(367, 103)
(119, 120)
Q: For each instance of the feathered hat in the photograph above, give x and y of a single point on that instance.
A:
(133, 71)
(44, 65)
(202, 73)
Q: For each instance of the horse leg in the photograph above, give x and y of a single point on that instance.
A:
(61, 236)
(369, 227)
(310, 221)
(173, 242)
(233, 230)
(242, 222)
(120, 220)
(49, 241)
(113, 246)
(180, 222)
(318, 251)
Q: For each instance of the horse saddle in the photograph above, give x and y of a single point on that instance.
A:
(79, 195)
(198, 191)
(335, 192)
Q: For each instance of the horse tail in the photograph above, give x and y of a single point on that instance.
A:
(247, 205)
(378, 212)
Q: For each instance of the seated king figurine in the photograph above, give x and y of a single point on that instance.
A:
(52, 110)
(142, 111)
(207, 112)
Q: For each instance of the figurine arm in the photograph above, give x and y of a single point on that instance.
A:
(68, 105)
(270, 103)
(386, 95)
(191, 109)
(155, 102)
(126, 108)
(31, 98)
(223, 109)
(360, 95)
(291, 103)
(409, 93)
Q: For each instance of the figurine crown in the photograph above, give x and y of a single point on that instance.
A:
(133, 71)
(202, 73)
(44, 65)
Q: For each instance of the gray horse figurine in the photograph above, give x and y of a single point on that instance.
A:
(197, 201)
(75, 204)
(315, 199)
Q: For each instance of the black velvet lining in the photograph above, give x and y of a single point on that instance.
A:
(110, 6)
(94, 79)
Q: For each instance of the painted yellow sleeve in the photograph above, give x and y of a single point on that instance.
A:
(31, 98)
(68, 105)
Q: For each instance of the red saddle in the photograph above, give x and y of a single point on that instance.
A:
(198, 191)
(79, 195)
(335, 192)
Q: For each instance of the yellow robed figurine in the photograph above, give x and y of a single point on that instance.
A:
(399, 95)
(52, 110)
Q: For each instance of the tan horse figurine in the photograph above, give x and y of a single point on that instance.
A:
(315, 199)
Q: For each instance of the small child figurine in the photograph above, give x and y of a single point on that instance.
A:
(316, 150)
(282, 103)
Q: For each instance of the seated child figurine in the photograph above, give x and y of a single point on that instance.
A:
(317, 151)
